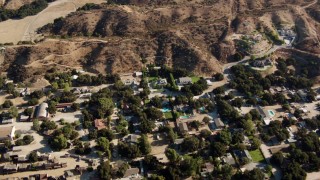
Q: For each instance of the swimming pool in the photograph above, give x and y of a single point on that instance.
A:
(271, 113)
(184, 117)
(164, 110)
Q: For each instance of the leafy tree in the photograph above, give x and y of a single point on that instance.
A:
(106, 133)
(254, 174)
(156, 102)
(172, 155)
(237, 102)
(7, 104)
(59, 142)
(218, 149)
(277, 158)
(28, 111)
(129, 150)
(27, 139)
(33, 101)
(218, 77)
(36, 125)
(144, 144)
(104, 146)
(237, 137)
(255, 143)
(13, 112)
(190, 144)
(104, 170)
(190, 166)
(225, 137)
(37, 94)
(294, 171)
(75, 106)
(154, 113)
(48, 125)
(33, 156)
(152, 163)
(205, 133)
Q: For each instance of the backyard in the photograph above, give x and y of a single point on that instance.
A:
(256, 156)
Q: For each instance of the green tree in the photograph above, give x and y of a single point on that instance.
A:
(277, 158)
(144, 144)
(28, 111)
(190, 144)
(7, 104)
(104, 170)
(218, 149)
(13, 112)
(36, 125)
(104, 145)
(59, 142)
(225, 137)
(255, 143)
(27, 139)
(33, 101)
(172, 155)
(75, 106)
(33, 157)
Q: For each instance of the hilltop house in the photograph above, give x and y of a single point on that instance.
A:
(184, 81)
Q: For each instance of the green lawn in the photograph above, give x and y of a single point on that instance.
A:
(257, 156)
(151, 79)
(168, 115)
(195, 79)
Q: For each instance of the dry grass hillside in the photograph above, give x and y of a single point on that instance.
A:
(16, 4)
(189, 34)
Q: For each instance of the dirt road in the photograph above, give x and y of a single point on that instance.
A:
(24, 29)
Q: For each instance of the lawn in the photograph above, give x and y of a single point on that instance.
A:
(257, 156)
(168, 115)
(151, 79)
(195, 79)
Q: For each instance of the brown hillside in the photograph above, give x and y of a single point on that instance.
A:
(190, 34)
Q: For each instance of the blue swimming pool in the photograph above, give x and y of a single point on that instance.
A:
(271, 113)
(164, 110)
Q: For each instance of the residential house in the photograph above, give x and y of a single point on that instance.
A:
(183, 127)
(24, 118)
(7, 133)
(228, 159)
(138, 74)
(240, 154)
(10, 168)
(302, 94)
(7, 120)
(261, 63)
(23, 167)
(132, 172)
(99, 124)
(42, 112)
(131, 138)
(184, 81)
(217, 123)
(208, 168)
(162, 82)
(266, 116)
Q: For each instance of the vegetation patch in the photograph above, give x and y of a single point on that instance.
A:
(257, 156)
